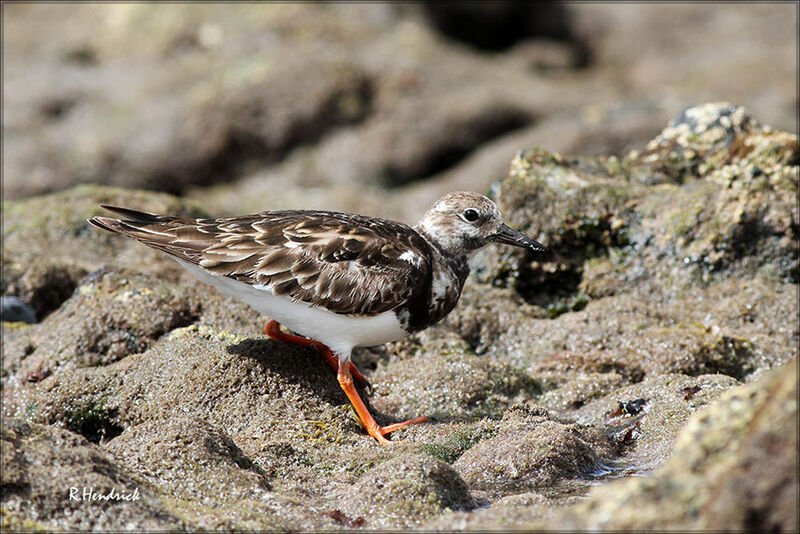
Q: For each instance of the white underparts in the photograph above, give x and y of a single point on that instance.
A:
(339, 332)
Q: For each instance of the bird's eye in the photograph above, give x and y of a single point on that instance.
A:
(470, 215)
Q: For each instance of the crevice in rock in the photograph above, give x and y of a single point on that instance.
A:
(95, 423)
(45, 289)
(180, 319)
(57, 107)
(81, 56)
(497, 26)
(245, 147)
(731, 356)
(558, 289)
(457, 146)
(550, 290)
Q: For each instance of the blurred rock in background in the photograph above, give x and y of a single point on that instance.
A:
(377, 108)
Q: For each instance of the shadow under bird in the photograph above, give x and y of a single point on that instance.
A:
(341, 280)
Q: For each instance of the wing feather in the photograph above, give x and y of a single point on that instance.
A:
(346, 263)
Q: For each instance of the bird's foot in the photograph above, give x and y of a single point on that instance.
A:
(367, 421)
(380, 432)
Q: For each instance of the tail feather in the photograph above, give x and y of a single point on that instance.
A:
(137, 216)
(157, 236)
(131, 228)
(104, 223)
(114, 225)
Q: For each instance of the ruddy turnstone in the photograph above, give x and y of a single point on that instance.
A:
(341, 280)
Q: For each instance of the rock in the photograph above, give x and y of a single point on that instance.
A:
(349, 97)
(734, 467)
(191, 455)
(161, 485)
(721, 64)
(310, 73)
(498, 26)
(113, 314)
(627, 224)
(333, 175)
(404, 491)
(448, 446)
(152, 384)
(190, 128)
(532, 451)
(505, 514)
(591, 207)
(741, 212)
(579, 204)
(50, 474)
(621, 243)
(15, 309)
(445, 381)
(641, 419)
(198, 462)
(48, 246)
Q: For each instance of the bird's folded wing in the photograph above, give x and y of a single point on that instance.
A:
(347, 264)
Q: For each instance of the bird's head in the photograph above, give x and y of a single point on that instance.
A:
(463, 222)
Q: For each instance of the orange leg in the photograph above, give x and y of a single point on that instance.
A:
(273, 330)
(372, 428)
(345, 372)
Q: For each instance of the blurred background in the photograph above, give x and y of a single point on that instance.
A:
(374, 108)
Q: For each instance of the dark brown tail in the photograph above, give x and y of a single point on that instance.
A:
(155, 231)
(134, 216)
(137, 216)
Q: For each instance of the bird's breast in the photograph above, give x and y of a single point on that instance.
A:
(440, 296)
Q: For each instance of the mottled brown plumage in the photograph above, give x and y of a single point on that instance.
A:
(345, 263)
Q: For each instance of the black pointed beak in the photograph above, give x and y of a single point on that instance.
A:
(510, 236)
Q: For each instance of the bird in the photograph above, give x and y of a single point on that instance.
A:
(336, 280)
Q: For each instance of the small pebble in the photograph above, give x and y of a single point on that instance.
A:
(15, 309)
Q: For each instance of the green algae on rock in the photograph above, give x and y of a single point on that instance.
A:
(612, 227)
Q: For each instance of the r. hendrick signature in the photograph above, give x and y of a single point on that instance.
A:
(88, 494)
